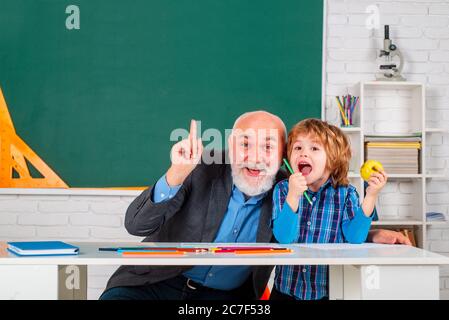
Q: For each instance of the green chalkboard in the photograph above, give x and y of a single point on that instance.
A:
(98, 104)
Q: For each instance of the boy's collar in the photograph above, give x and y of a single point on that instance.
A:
(323, 186)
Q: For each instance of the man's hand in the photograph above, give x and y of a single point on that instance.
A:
(388, 237)
(185, 155)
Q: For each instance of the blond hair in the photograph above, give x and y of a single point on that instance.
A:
(335, 143)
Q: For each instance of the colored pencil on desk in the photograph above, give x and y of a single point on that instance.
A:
(231, 250)
(248, 248)
(151, 253)
(263, 251)
(123, 248)
(155, 249)
(195, 250)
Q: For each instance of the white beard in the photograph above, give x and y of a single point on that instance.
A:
(265, 184)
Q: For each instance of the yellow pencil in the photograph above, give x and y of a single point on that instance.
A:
(342, 112)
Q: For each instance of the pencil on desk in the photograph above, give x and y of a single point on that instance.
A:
(263, 251)
(127, 249)
(151, 253)
(234, 249)
(223, 249)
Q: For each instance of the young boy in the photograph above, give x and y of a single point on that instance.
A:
(319, 154)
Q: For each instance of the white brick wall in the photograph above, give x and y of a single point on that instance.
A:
(420, 28)
(421, 31)
(67, 218)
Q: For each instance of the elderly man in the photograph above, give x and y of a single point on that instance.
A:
(195, 202)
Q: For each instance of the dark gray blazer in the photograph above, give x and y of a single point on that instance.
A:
(194, 214)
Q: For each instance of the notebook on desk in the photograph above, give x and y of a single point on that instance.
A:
(42, 248)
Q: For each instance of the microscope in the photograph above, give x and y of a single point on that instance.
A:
(390, 71)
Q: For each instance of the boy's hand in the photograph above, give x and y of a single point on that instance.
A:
(297, 184)
(376, 182)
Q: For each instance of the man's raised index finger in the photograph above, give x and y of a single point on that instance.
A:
(192, 137)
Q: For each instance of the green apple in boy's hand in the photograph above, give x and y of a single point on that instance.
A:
(370, 167)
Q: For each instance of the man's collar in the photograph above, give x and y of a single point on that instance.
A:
(251, 199)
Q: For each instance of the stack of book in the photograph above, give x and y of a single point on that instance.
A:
(398, 154)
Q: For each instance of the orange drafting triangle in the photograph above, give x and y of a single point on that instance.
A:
(13, 155)
(5, 118)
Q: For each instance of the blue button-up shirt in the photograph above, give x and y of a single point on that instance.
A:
(334, 217)
(239, 224)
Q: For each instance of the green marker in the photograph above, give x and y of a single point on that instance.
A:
(292, 172)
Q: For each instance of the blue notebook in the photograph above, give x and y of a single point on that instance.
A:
(42, 248)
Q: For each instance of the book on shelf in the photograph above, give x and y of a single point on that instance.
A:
(435, 216)
(398, 154)
(394, 137)
(394, 145)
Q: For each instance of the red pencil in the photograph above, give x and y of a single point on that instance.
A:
(249, 249)
(263, 251)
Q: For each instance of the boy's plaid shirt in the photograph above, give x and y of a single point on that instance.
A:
(318, 223)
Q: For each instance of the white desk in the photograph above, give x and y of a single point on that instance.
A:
(368, 271)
